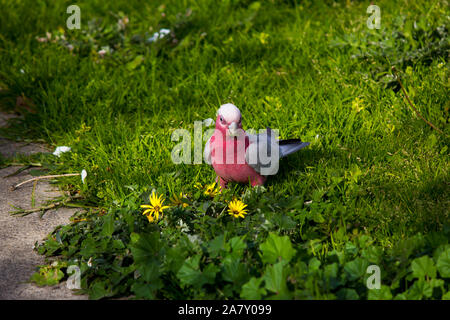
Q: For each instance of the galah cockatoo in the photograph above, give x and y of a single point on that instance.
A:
(242, 157)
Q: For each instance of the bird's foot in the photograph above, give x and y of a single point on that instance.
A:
(258, 181)
(223, 183)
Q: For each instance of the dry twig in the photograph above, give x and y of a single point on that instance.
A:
(44, 177)
(411, 104)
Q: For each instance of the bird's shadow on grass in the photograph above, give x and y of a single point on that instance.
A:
(298, 163)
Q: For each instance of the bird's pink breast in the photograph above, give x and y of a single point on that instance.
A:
(228, 159)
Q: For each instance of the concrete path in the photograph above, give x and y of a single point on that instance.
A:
(18, 260)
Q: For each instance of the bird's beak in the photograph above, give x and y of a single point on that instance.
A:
(233, 129)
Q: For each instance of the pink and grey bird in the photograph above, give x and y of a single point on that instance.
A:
(238, 156)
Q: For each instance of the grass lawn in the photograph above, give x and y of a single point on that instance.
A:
(371, 189)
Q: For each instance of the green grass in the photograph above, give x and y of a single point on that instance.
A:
(313, 70)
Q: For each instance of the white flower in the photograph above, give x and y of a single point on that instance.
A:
(60, 150)
(122, 23)
(158, 35)
(194, 239)
(101, 53)
(184, 226)
(208, 122)
(89, 263)
(83, 175)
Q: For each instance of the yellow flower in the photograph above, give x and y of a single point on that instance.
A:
(358, 105)
(236, 208)
(198, 186)
(155, 208)
(178, 200)
(212, 190)
(263, 37)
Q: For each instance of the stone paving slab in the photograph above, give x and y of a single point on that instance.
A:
(18, 235)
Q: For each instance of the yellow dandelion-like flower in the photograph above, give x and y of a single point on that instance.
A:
(236, 208)
(178, 200)
(155, 207)
(211, 190)
(198, 186)
(358, 105)
(263, 37)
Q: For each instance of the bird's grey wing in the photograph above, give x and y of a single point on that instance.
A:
(263, 153)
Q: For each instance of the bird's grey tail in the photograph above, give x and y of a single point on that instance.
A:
(290, 146)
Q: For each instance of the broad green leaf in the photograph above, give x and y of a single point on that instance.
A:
(436, 283)
(317, 217)
(145, 249)
(364, 241)
(236, 246)
(331, 270)
(423, 266)
(175, 257)
(347, 294)
(47, 276)
(108, 224)
(338, 256)
(401, 296)
(146, 290)
(330, 274)
(301, 268)
(209, 274)
(284, 222)
(252, 289)
(150, 271)
(117, 244)
(99, 290)
(313, 264)
(372, 254)
(443, 264)
(51, 247)
(254, 6)
(216, 245)
(89, 247)
(234, 271)
(384, 293)
(276, 248)
(351, 248)
(419, 289)
(135, 63)
(189, 272)
(356, 269)
(275, 280)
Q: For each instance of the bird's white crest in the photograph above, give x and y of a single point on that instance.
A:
(230, 112)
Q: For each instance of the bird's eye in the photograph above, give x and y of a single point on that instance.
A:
(221, 119)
